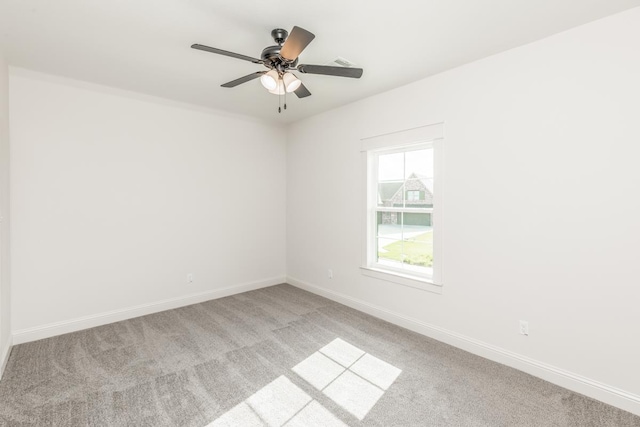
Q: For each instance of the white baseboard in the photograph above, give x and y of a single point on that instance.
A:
(73, 325)
(574, 382)
(4, 355)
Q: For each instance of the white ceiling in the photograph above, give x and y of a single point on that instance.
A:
(144, 45)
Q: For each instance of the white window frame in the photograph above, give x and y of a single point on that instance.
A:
(416, 138)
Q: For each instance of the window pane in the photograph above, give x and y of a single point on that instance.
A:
(387, 252)
(389, 225)
(419, 178)
(417, 254)
(390, 179)
(390, 194)
(419, 162)
(391, 167)
(416, 221)
(405, 240)
(417, 235)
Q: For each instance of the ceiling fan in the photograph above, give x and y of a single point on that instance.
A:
(281, 60)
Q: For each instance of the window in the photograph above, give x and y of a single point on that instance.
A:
(414, 195)
(402, 241)
(403, 235)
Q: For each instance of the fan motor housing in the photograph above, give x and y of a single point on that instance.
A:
(272, 59)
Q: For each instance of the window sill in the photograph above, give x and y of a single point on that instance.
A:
(402, 279)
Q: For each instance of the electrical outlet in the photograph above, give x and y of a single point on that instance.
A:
(330, 274)
(190, 278)
(524, 327)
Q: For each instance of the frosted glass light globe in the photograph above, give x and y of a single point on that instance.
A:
(291, 83)
(270, 80)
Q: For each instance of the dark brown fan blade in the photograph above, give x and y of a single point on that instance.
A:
(226, 53)
(302, 92)
(298, 39)
(355, 73)
(247, 78)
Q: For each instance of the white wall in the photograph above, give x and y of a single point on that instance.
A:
(116, 197)
(5, 315)
(541, 206)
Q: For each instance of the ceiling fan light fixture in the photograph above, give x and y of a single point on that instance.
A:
(270, 80)
(279, 89)
(281, 60)
(291, 82)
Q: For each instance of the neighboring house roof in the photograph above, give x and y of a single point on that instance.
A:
(426, 180)
(386, 190)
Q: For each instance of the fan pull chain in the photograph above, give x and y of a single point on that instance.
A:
(279, 96)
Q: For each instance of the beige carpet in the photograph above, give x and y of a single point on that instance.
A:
(276, 356)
